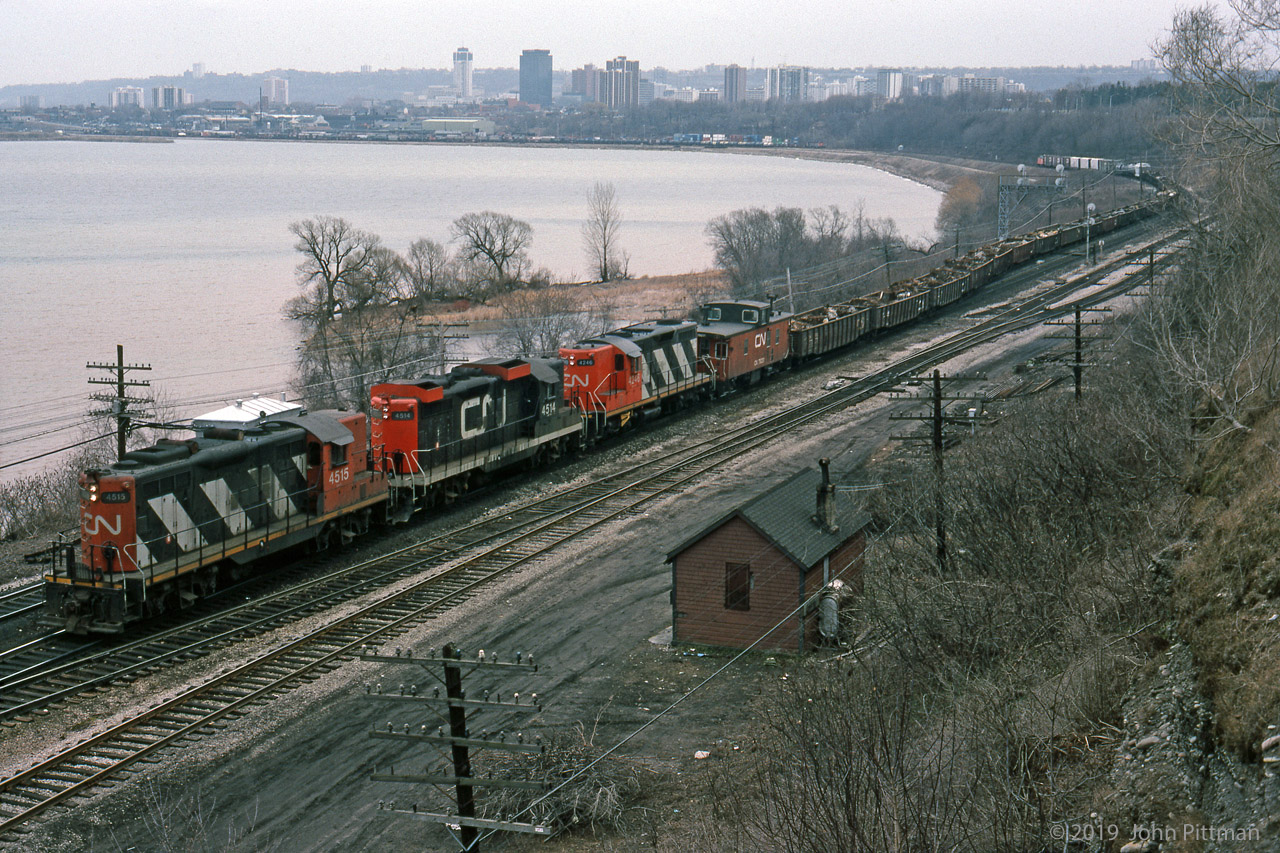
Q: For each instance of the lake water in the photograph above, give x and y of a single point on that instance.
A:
(182, 251)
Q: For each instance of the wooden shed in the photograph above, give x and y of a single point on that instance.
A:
(758, 571)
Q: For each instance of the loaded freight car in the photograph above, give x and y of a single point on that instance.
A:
(741, 342)
(159, 528)
(821, 330)
(902, 303)
(439, 432)
(945, 284)
(633, 372)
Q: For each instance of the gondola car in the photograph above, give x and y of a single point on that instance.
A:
(160, 528)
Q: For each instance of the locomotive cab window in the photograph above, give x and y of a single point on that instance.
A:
(338, 454)
(315, 454)
(618, 363)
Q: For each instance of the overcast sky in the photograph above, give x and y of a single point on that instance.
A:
(66, 41)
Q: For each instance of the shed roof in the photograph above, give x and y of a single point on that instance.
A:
(784, 515)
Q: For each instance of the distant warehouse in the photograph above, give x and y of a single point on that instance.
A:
(459, 127)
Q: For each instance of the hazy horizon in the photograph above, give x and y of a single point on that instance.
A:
(72, 41)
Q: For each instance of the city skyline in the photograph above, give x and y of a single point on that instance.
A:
(66, 41)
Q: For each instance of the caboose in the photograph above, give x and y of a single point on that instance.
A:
(742, 342)
(634, 372)
(439, 433)
(163, 526)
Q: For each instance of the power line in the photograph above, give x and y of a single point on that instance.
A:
(59, 450)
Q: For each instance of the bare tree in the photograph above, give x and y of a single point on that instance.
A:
(429, 270)
(358, 324)
(334, 256)
(600, 233)
(539, 322)
(1217, 326)
(496, 246)
(1227, 66)
(364, 347)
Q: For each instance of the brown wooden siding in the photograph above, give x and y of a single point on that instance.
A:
(698, 578)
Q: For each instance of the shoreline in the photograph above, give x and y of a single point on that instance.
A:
(936, 172)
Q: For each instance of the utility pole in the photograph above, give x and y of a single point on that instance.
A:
(1078, 365)
(463, 824)
(939, 419)
(444, 332)
(121, 402)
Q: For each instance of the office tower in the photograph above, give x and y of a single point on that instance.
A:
(535, 77)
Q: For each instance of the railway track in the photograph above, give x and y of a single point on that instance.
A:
(445, 571)
(21, 601)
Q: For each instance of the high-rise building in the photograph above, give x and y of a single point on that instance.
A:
(788, 83)
(735, 84)
(197, 70)
(585, 81)
(535, 77)
(275, 90)
(889, 84)
(128, 96)
(462, 60)
(29, 102)
(366, 69)
(621, 83)
(167, 97)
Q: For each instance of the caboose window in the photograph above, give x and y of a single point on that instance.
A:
(722, 349)
(713, 314)
(750, 315)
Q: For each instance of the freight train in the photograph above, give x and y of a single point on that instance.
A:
(166, 525)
